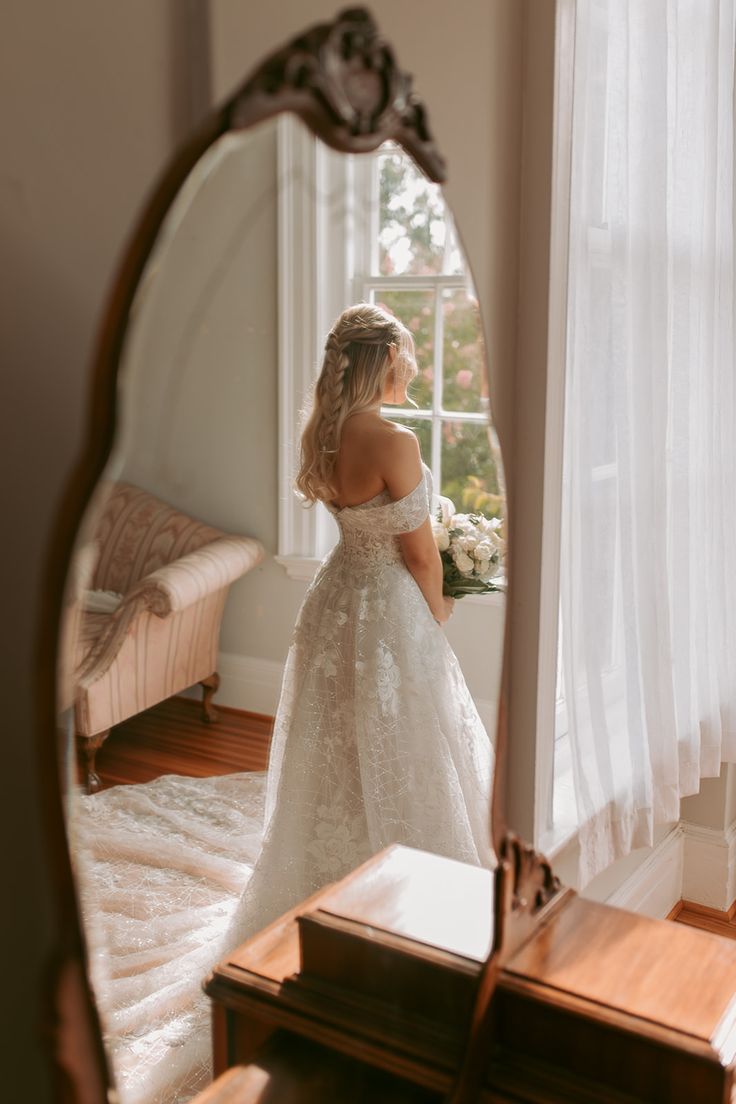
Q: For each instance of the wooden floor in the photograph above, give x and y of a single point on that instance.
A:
(172, 738)
(707, 919)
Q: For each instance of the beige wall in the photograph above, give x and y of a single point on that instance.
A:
(199, 414)
(715, 804)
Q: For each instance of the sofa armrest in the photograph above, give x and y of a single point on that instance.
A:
(192, 577)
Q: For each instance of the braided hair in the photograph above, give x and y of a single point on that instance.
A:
(354, 372)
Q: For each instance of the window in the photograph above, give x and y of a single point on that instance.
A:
(373, 228)
(642, 345)
(410, 262)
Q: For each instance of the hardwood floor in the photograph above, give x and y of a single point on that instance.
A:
(707, 919)
(172, 738)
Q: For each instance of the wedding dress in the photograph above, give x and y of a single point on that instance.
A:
(376, 741)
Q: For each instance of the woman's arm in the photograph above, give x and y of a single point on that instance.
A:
(402, 471)
(423, 560)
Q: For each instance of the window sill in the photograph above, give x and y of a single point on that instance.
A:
(304, 568)
(558, 840)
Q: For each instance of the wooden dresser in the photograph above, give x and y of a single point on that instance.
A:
(376, 977)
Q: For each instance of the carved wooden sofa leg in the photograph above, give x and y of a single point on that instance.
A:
(90, 745)
(210, 687)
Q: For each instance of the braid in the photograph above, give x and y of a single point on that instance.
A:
(354, 371)
(330, 387)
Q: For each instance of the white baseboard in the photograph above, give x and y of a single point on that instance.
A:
(692, 863)
(250, 683)
(655, 887)
(709, 867)
(253, 685)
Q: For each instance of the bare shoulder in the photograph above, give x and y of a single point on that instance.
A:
(400, 444)
(387, 450)
(377, 436)
(401, 461)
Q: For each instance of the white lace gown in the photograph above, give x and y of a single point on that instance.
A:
(376, 741)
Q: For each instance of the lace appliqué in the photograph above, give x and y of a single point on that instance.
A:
(369, 533)
(376, 740)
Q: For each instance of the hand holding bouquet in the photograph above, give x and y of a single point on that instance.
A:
(471, 548)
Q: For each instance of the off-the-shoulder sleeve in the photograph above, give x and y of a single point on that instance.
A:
(402, 516)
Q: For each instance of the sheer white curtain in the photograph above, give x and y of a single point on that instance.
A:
(648, 556)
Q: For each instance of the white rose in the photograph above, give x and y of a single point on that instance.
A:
(444, 507)
(494, 530)
(484, 550)
(468, 541)
(463, 562)
(442, 537)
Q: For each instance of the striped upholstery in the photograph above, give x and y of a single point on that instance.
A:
(174, 573)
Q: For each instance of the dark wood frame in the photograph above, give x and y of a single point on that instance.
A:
(342, 79)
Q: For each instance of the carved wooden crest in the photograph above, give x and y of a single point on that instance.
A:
(343, 80)
(533, 882)
(527, 890)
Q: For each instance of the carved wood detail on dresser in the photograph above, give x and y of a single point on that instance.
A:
(381, 969)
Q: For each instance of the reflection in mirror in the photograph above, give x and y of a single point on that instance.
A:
(378, 735)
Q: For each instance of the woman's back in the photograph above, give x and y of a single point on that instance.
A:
(365, 457)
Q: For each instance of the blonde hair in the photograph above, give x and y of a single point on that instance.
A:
(355, 370)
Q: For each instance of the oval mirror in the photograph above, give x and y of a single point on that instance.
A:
(195, 557)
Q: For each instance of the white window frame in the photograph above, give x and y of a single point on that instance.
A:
(309, 299)
(555, 826)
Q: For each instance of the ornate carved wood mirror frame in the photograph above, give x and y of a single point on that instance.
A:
(342, 80)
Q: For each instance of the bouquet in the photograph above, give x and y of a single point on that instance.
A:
(471, 548)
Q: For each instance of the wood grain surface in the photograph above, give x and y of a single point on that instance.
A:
(600, 1005)
(712, 920)
(173, 738)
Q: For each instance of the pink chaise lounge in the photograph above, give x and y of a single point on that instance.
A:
(173, 573)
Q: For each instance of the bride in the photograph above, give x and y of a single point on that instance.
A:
(376, 741)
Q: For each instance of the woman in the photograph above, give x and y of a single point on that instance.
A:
(376, 739)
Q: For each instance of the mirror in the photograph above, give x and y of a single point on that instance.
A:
(194, 517)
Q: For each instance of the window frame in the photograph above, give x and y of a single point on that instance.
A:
(553, 833)
(309, 298)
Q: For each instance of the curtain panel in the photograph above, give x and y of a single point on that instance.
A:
(648, 546)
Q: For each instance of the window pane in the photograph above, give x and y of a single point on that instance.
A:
(465, 385)
(416, 310)
(454, 263)
(412, 228)
(469, 475)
